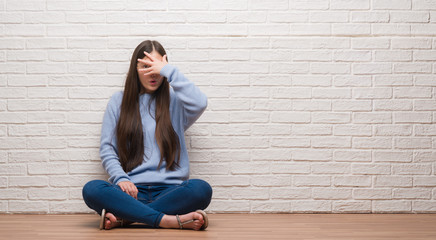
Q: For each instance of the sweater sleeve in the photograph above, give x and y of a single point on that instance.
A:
(108, 145)
(194, 101)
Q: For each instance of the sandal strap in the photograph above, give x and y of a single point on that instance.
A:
(183, 223)
(180, 223)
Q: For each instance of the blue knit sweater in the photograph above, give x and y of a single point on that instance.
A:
(186, 106)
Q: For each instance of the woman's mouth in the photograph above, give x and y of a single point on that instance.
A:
(153, 82)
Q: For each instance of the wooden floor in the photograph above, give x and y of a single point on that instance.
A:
(231, 226)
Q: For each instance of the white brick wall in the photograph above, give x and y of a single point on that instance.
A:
(314, 106)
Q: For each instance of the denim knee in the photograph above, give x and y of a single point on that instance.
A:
(91, 189)
(202, 191)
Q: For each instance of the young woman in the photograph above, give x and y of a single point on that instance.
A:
(144, 152)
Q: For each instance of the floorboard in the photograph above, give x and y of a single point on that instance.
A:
(230, 226)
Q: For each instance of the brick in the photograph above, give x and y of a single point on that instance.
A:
(42, 143)
(352, 156)
(319, 29)
(47, 92)
(28, 181)
(349, 5)
(415, 169)
(290, 193)
(412, 117)
(329, 17)
(11, 117)
(352, 105)
(331, 193)
(28, 156)
(311, 181)
(372, 93)
(68, 207)
(73, 181)
(393, 56)
(424, 55)
(290, 142)
(331, 117)
(66, 5)
(45, 117)
(312, 155)
(412, 143)
(424, 206)
(420, 181)
(271, 207)
(370, 43)
(290, 93)
(423, 5)
(410, 17)
(286, 168)
(393, 80)
(250, 193)
(372, 68)
(412, 194)
(351, 29)
(12, 43)
(411, 43)
(28, 81)
(290, 117)
(270, 5)
(311, 80)
(316, 206)
(352, 181)
(246, 17)
(81, 17)
(392, 206)
(372, 117)
(310, 4)
(330, 168)
(371, 143)
(276, 105)
(352, 56)
(253, 117)
(84, 142)
(370, 168)
(331, 93)
(270, 129)
(12, 143)
(48, 194)
(290, 68)
(392, 181)
(250, 168)
(74, 155)
(24, 30)
(386, 4)
(331, 142)
(230, 206)
(424, 156)
(311, 129)
(352, 206)
(287, 17)
(412, 68)
(252, 92)
(12, 169)
(86, 168)
(28, 206)
(3, 182)
(352, 81)
(393, 130)
(271, 154)
(392, 156)
(268, 30)
(312, 56)
(270, 181)
(370, 17)
(45, 43)
(13, 194)
(415, 92)
(229, 181)
(425, 130)
(68, 130)
(47, 168)
(372, 194)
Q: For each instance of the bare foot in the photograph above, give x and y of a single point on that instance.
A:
(111, 221)
(170, 221)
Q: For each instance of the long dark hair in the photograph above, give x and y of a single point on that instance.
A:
(130, 138)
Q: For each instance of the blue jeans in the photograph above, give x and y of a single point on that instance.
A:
(154, 201)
